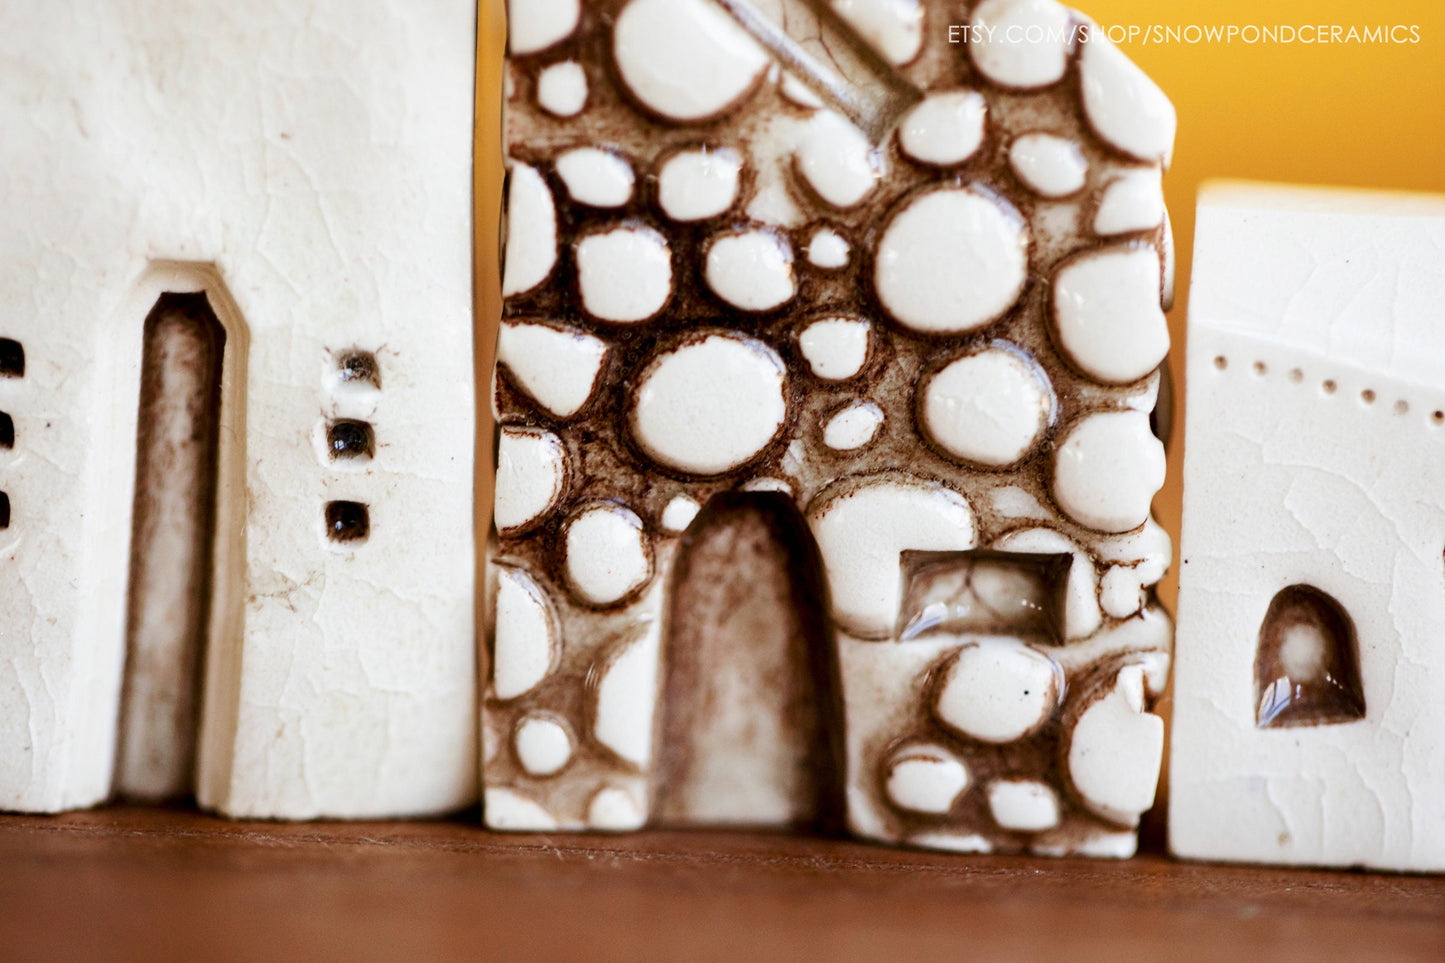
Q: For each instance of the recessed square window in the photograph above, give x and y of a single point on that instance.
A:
(350, 439)
(347, 522)
(358, 368)
(7, 431)
(12, 359)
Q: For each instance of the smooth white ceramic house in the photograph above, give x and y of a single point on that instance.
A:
(1309, 721)
(251, 223)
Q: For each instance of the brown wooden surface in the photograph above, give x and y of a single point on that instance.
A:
(162, 885)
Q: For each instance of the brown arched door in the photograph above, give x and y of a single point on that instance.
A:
(173, 526)
(751, 725)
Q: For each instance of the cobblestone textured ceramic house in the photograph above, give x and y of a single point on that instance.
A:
(236, 405)
(841, 305)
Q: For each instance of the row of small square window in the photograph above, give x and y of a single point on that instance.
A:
(351, 439)
(12, 365)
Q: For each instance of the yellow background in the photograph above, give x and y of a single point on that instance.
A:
(1353, 115)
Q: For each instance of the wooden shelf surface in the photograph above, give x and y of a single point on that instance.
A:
(170, 884)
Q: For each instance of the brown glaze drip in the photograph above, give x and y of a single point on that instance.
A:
(1307, 669)
(173, 529)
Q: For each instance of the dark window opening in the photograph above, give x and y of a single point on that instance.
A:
(1008, 593)
(347, 522)
(4, 511)
(7, 431)
(350, 439)
(12, 359)
(359, 368)
(1307, 668)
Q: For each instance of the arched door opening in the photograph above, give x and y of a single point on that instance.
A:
(751, 708)
(1307, 668)
(173, 527)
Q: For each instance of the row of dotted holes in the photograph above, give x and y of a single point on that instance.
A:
(1329, 386)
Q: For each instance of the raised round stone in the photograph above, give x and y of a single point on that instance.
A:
(1107, 313)
(557, 366)
(694, 185)
(531, 472)
(1133, 201)
(751, 270)
(827, 249)
(542, 744)
(594, 177)
(613, 809)
(626, 696)
(510, 811)
(685, 60)
(836, 160)
(1107, 470)
(863, 527)
(1020, 43)
(989, 408)
(526, 634)
(1115, 751)
(710, 405)
(534, 25)
(1123, 105)
(951, 260)
(608, 557)
(562, 89)
(835, 348)
(998, 690)
(944, 128)
(679, 513)
(894, 28)
(925, 779)
(1023, 805)
(1049, 166)
(531, 231)
(853, 426)
(625, 274)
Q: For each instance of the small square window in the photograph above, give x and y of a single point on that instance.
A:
(347, 522)
(358, 368)
(7, 431)
(350, 439)
(12, 359)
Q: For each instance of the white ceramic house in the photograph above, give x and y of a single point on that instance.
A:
(1309, 720)
(250, 222)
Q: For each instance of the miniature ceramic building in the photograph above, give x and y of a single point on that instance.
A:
(795, 293)
(1308, 723)
(236, 551)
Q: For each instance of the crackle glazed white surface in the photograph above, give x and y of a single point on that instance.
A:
(936, 333)
(330, 190)
(1316, 445)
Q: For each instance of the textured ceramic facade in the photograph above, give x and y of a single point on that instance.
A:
(922, 347)
(1308, 723)
(283, 191)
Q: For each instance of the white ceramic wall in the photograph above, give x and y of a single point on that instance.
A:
(308, 164)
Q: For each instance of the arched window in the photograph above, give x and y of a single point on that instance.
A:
(1307, 668)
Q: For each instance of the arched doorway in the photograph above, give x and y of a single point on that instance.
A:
(1307, 667)
(751, 710)
(173, 525)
